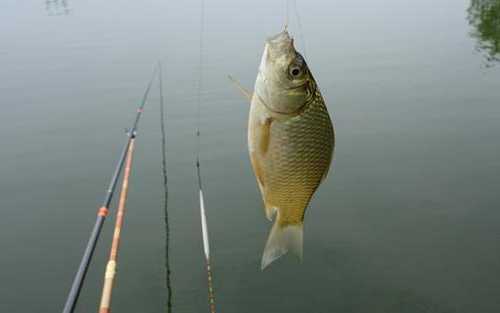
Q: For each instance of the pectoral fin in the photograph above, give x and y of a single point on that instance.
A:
(258, 171)
(258, 157)
(265, 136)
(269, 209)
(247, 94)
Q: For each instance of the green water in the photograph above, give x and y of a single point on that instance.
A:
(408, 222)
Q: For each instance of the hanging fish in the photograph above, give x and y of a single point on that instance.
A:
(290, 141)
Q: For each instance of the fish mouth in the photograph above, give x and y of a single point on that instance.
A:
(279, 37)
(280, 43)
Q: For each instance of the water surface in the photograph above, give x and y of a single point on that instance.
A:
(407, 222)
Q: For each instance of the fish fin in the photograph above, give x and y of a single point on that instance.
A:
(270, 211)
(281, 240)
(247, 94)
(265, 135)
(258, 171)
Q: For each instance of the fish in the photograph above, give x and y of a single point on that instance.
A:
(291, 142)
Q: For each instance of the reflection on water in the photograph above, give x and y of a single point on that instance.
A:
(165, 194)
(484, 16)
(57, 7)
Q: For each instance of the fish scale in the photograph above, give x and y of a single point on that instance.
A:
(300, 153)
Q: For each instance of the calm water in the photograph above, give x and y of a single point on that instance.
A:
(409, 221)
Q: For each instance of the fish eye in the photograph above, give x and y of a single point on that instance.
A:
(294, 70)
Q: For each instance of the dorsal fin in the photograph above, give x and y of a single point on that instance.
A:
(247, 94)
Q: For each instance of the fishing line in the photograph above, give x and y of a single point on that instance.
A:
(204, 228)
(200, 81)
(298, 22)
(286, 14)
(165, 191)
(299, 26)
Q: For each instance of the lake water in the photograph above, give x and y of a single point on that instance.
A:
(408, 222)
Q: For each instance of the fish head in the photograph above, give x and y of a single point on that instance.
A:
(284, 81)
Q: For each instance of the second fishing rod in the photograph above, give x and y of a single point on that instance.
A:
(79, 278)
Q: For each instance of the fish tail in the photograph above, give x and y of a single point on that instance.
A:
(281, 240)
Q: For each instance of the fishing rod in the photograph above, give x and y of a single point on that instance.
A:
(79, 278)
(109, 276)
(204, 227)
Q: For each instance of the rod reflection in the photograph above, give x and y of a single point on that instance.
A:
(165, 194)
